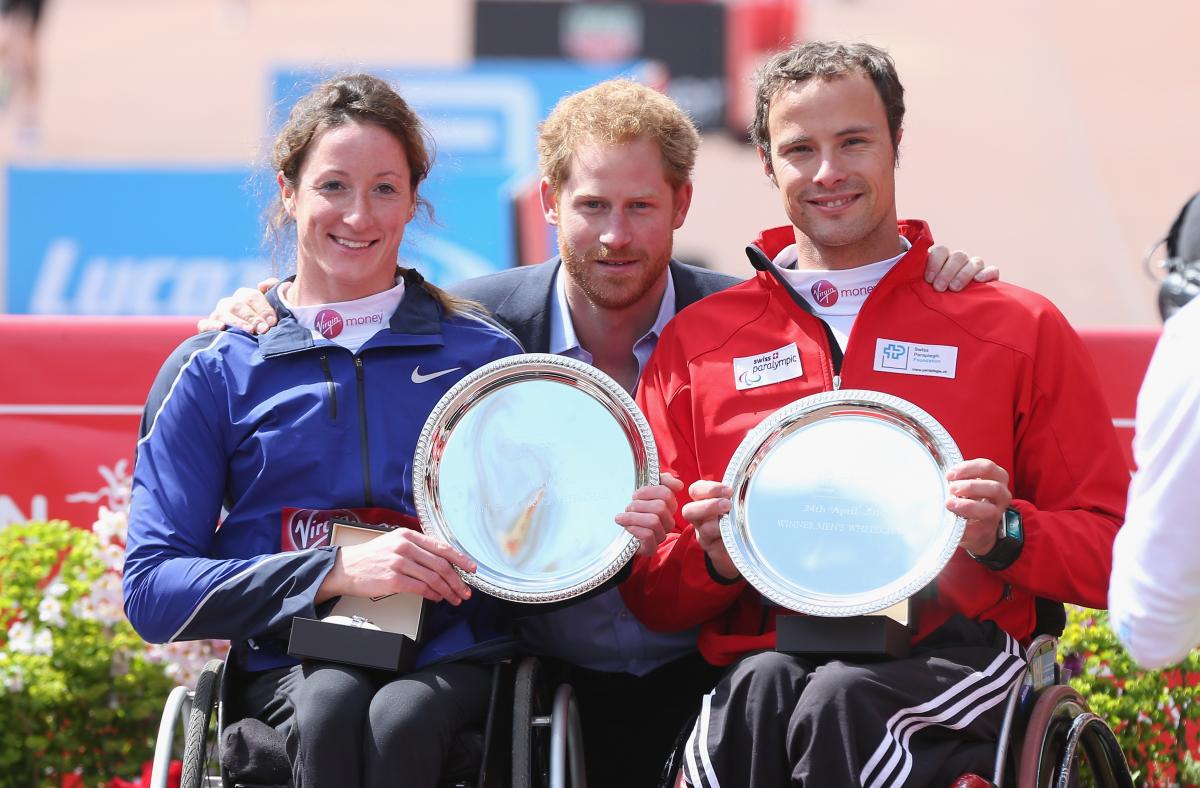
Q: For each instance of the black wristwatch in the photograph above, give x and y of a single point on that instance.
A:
(1009, 542)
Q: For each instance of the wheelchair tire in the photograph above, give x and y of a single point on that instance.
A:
(196, 748)
(531, 750)
(1046, 734)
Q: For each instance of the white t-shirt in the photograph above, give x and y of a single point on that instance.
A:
(347, 323)
(1154, 595)
(836, 296)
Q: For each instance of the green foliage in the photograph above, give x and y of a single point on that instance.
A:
(77, 691)
(1148, 710)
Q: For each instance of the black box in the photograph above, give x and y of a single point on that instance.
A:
(857, 637)
(391, 640)
(370, 648)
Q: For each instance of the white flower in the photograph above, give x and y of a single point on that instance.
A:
(84, 608)
(56, 589)
(110, 526)
(50, 611)
(43, 642)
(20, 638)
(114, 556)
(14, 682)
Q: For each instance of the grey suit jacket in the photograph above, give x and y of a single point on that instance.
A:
(519, 298)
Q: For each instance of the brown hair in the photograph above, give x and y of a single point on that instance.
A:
(826, 60)
(355, 98)
(616, 112)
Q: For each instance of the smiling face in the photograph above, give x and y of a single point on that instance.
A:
(616, 215)
(351, 203)
(834, 162)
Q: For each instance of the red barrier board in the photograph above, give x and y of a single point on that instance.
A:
(1121, 355)
(70, 403)
(73, 390)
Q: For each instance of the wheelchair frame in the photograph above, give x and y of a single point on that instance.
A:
(546, 737)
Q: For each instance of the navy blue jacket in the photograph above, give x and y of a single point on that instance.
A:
(254, 424)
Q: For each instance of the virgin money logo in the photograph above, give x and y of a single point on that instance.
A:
(310, 527)
(329, 323)
(824, 293)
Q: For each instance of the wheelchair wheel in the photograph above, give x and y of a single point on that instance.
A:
(531, 751)
(1066, 745)
(200, 751)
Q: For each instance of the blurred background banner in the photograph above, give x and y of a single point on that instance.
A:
(483, 118)
(170, 241)
(136, 241)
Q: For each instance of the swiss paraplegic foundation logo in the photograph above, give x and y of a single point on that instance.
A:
(895, 356)
(824, 293)
(329, 323)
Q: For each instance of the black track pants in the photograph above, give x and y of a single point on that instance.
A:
(777, 720)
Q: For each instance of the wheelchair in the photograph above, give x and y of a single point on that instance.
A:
(1049, 737)
(530, 738)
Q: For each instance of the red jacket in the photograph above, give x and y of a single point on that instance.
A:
(1024, 395)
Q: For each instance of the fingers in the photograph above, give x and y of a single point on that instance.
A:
(247, 309)
(966, 272)
(440, 559)
(989, 273)
(934, 260)
(982, 490)
(669, 481)
(405, 560)
(648, 521)
(267, 284)
(209, 324)
(704, 489)
(979, 468)
(979, 494)
(951, 271)
(699, 512)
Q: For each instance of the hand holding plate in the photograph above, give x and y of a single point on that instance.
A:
(710, 500)
(650, 516)
(979, 493)
(400, 561)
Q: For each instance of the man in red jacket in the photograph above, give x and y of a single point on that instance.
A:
(834, 293)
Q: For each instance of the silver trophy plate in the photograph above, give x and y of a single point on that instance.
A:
(839, 503)
(522, 466)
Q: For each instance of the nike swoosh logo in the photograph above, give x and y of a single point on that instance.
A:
(417, 377)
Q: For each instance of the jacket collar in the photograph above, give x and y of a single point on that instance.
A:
(769, 243)
(419, 316)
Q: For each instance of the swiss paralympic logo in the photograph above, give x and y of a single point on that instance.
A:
(750, 378)
(329, 323)
(895, 356)
(824, 293)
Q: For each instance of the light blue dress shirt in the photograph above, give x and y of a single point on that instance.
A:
(600, 633)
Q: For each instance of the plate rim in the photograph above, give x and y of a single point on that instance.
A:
(820, 604)
(459, 399)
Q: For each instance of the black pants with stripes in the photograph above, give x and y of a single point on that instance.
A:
(778, 720)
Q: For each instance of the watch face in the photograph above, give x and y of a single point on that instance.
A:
(1012, 525)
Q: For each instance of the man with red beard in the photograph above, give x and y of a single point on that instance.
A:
(616, 163)
(837, 295)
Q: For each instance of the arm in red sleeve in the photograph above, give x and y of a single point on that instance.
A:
(672, 590)
(1069, 479)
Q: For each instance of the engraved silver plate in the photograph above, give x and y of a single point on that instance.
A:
(522, 466)
(839, 503)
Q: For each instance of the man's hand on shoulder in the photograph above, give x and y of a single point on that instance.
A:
(709, 501)
(979, 492)
(947, 270)
(246, 309)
